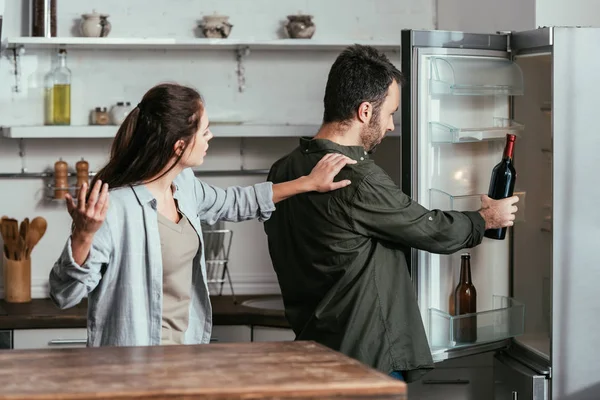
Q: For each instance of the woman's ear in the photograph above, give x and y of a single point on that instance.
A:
(179, 147)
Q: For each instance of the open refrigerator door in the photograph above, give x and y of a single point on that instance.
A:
(455, 124)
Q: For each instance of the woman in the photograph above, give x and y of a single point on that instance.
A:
(136, 259)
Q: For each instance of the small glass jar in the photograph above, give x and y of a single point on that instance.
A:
(100, 116)
(119, 112)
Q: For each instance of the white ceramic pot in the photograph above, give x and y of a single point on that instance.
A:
(119, 112)
(95, 25)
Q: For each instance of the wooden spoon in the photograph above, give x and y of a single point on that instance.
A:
(37, 228)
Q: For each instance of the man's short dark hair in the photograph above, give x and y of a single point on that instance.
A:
(360, 73)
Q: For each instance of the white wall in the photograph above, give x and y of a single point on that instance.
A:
(487, 16)
(290, 91)
(568, 13)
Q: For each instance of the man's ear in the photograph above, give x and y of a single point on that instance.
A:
(365, 112)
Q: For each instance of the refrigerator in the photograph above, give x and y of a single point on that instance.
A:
(538, 290)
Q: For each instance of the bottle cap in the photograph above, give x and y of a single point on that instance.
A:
(465, 255)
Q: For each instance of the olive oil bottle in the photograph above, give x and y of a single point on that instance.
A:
(57, 96)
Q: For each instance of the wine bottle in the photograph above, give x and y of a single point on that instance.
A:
(465, 302)
(502, 183)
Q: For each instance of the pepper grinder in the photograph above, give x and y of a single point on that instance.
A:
(83, 174)
(61, 183)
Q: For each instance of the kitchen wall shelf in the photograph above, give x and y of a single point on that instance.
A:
(471, 76)
(200, 172)
(472, 202)
(440, 132)
(241, 47)
(109, 131)
(505, 320)
(188, 44)
(220, 130)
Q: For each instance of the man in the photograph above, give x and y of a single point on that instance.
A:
(339, 256)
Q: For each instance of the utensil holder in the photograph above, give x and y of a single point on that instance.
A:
(17, 280)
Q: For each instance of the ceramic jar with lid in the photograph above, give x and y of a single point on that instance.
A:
(300, 26)
(215, 26)
(119, 112)
(95, 25)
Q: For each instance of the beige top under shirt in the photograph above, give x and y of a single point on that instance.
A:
(179, 244)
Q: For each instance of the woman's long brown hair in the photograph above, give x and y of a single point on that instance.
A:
(145, 142)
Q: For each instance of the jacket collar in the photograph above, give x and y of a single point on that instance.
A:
(310, 145)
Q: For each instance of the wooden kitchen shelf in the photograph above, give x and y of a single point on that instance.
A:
(186, 44)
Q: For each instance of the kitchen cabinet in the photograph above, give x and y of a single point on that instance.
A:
(246, 333)
(49, 338)
(266, 334)
(77, 337)
(5, 339)
(231, 333)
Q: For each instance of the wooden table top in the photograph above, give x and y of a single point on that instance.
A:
(267, 370)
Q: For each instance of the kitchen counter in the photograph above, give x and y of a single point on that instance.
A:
(43, 314)
(283, 370)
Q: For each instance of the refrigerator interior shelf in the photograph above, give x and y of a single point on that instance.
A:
(475, 76)
(440, 132)
(505, 320)
(445, 201)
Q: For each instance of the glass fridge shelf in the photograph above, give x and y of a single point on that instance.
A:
(482, 76)
(472, 202)
(440, 132)
(506, 319)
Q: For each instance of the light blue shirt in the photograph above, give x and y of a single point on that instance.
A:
(122, 275)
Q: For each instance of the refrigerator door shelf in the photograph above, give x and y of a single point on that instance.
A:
(441, 200)
(440, 132)
(505, 320)
(475, 76)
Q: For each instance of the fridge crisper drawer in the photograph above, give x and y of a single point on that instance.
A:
(506, 319)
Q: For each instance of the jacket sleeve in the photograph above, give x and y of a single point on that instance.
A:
(381, 210)
(70, 282)
(234, 203)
